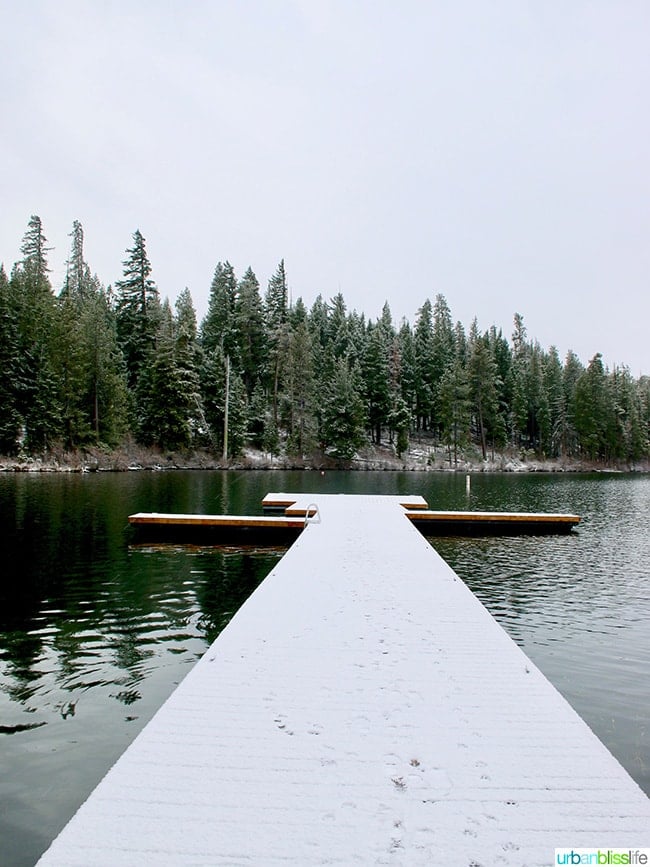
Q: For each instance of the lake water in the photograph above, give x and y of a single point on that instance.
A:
(95, 632)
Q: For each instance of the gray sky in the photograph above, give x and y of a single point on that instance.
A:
(494, 151)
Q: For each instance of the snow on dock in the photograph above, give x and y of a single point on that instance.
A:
(285, 515)
(362, 707)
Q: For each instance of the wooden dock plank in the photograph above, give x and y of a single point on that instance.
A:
(171, 519)
(362, 707)
(475, 522)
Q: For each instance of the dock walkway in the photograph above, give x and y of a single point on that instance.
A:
(362, 707)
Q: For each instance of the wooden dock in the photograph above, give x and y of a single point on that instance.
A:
(362, 707)
(217, 529)
(285, 515)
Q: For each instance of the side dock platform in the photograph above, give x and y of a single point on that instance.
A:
(285, 517)
(362, 707)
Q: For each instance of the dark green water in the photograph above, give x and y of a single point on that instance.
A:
(95, 632)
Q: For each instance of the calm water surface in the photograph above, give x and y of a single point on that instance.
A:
(96, 632)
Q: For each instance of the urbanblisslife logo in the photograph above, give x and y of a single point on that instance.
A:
(602, 856)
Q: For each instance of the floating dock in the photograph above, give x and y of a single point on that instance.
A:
(285, 515)
(217, 529)
(362, 707)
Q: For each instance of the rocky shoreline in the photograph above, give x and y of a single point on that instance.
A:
(419, 458)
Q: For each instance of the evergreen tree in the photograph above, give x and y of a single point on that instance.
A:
(32, 301)
(357, 335)
(539, 415)
(212, 378)
(630, 438)
(555, 398)
(482, 382)
(105, 393)
(34, 263)
(643, 391)
(376, 377)
(164, 404)
(79, 282)
(318, 321)
(517, 385)
(297, 391)
(343, 420)
(592, 409)
(219, 327)
(249, 330)
(338, 337)
(214, 372)
(257, 415)
(276, 306)
(237, 415)
(89, 365)
(399, 419)
(276, 300)
(70, 360)
(455, 408)
(408, 368)
(11, 368)
(187, 354)
(138, 309)
(424, 384)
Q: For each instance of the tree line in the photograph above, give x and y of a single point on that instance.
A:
(94, 366)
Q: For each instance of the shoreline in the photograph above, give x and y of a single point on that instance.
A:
(419, 458)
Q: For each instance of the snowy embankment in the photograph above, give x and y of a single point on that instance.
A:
(421, 456)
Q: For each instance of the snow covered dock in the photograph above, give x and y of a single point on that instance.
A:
(285, 513)
(362, 707)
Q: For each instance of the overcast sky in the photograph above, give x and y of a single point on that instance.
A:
(494, 151)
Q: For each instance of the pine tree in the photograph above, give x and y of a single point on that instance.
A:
(138, 309)
(518, 381)
(376, 377)
(399, 419)
(34, 263)
(212, 377)
(79, 282)
(629, 440)
(187, 355)
(338, 336)
(276, 306)
(10, 370)
(89, 365)
(539, 414)
(343, 420)
(455, 408)
(276, 300)
(555, 396)
(408, 376)
(249, 330)
(424, 384)
(592, 409)
(297, 390)
(571, 374)
(106, 391)
(219, 327)
(164, 404)
(36, 388)
(482, 374)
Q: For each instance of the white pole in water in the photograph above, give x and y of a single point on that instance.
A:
(468, 483)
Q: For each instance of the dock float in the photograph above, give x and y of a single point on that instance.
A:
(285, 516)
(217, 528)
(362, 707)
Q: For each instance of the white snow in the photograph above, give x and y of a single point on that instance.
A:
(362, 707)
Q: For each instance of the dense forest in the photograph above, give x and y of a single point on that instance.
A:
(97, 366)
